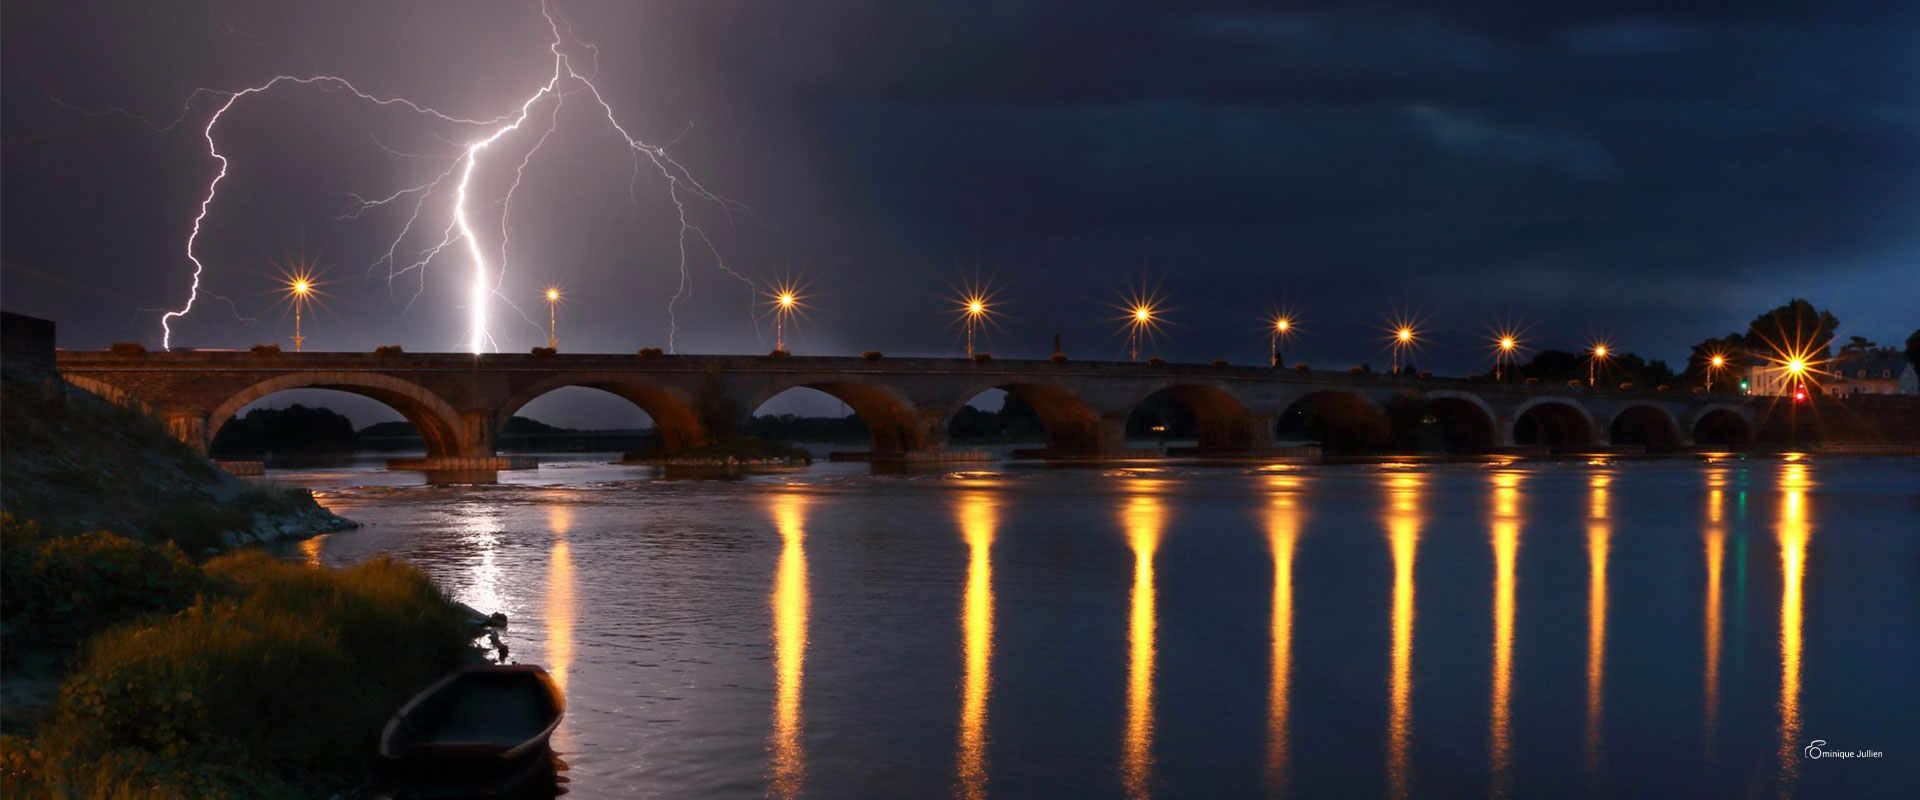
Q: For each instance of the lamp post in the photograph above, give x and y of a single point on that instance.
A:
(1280, 328)
(553, 316)
(1138, 322)
(1503, 352)
(1402, 339)
(1713, 365)
(301, 289)
(1593, 364)
(976, 310)
(783, 306)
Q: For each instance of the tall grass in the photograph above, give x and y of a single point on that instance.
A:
(275, 682)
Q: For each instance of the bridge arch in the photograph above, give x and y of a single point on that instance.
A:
(1644, 424)
(1556, 422)
(1220, 420)
(1340, 420)
(435, 419)
(1462, 421)
(1070, 422)
(671, 410)
(1721, 426)
(893, 422)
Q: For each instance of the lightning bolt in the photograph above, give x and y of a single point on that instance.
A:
(461, 233)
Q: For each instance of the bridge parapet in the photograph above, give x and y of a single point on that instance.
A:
(459, 401)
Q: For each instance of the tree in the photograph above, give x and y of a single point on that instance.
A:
(1796, 328)
(1732, 351)
(1858, 344)
(1555, 366)
(1913, 349)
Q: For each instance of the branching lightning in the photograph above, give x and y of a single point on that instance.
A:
(461, 228)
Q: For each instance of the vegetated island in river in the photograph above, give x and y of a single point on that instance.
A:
(741, 451)
(130, 670)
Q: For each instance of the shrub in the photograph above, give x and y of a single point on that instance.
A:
(1058, 358)
(58, 590)
(871, 355)
(265, 350)
(128, 349)
(779, 354)
(544, 352)
(388, 350)
(1302, 368)
(1156, 361)
(279, 677)
(652, 353)
(983, 357)
(1219, 362)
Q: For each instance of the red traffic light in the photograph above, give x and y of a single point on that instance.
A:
(1799, 394)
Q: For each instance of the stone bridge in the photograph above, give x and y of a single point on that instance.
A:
(458, 401)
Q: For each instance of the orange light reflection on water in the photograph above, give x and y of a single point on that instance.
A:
(790, 601)
(1403, 529)
(1794, 531)
(1715, 537)
(1143, 517)
(1506, 548)
(1599, 532)
(1283, 532)
(979, 512)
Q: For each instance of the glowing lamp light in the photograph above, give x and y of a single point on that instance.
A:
(1600, 351)
(1404, 334)
(1142, 313)
(553, 294)
(1507, 343)
(786, 299)
(1797, 366)
(976, 307)
(1719, 361)
(1282, 325)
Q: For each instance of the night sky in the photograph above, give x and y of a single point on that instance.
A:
(1652, 173)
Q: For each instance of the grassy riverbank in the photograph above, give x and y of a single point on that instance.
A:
(246, 676)
(130, 671)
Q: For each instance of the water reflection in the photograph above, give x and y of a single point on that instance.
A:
(560, 611)
(978, 515)
(310, 548)
(1403, 531)
(1793, 561)
(1598, 533)
(1715, 537)
(1506, 547)
(1143, 518)
(1283, 529)
(789, 646)
(480, 535)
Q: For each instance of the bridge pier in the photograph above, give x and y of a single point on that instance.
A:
(190, 427)
(477, 432)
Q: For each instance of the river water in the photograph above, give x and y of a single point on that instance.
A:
(1553, 629)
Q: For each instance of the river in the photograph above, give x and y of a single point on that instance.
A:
(1550, 629)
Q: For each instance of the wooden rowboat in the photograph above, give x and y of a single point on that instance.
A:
(481, 732)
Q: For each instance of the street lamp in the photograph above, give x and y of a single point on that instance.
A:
(1713, 365)
(1281, 326)
(1403, 337)
(973, 312)
(784, 303)
(1593, 364)
(1503, 352)
(553, 315)
(1141, 322)
(301, 288)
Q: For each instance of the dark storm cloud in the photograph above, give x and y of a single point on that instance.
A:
(1657, 171)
